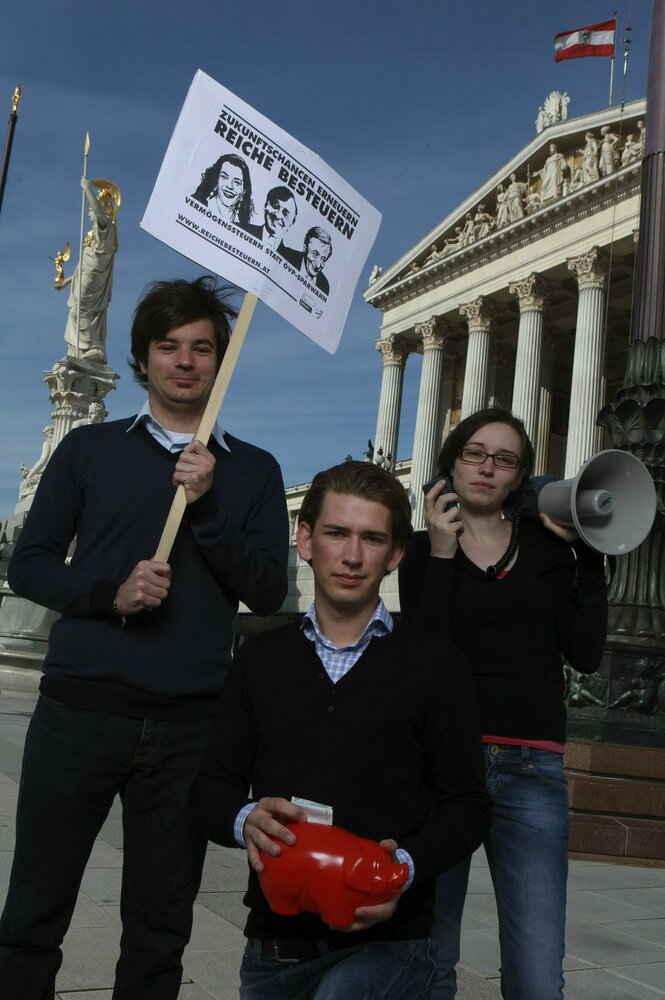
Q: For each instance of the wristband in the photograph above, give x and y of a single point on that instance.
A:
(123, 620)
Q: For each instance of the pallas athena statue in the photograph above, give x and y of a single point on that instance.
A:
(90, 285)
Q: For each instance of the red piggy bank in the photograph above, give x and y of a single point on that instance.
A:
(331, 872)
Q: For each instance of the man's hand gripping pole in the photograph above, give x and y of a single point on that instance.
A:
(208, 421)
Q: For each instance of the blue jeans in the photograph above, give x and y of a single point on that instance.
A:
(381, 970)
(74, 764)
(527, 851)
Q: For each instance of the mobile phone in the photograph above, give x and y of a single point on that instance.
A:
(447, 488)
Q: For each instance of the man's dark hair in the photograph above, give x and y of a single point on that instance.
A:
(316, 233)
(365, 480)
(165, 305)
(467, 428)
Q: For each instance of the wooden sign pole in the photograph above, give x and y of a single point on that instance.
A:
(208, 421)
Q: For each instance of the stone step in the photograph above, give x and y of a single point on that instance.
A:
(616, 759)
(15, 677)
(616, 796)
(601, 835)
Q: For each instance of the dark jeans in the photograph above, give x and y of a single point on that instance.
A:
(74, 764)
(382, 970)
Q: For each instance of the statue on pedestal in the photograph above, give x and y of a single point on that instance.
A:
(90, 291)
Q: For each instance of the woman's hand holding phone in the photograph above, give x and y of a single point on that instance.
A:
(443, 518)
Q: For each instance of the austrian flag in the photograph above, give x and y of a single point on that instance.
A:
(596, 40)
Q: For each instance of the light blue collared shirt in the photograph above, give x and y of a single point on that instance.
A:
(338, 662)
(171, 440)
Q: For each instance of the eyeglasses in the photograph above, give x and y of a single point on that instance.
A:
(474, 456)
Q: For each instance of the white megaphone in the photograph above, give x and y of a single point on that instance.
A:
(611, 502)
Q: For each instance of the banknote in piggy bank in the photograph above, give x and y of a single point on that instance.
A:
(331, 872)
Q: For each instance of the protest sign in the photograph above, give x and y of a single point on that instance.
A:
(246, 200)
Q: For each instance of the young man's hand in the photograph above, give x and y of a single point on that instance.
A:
(264, 822)
(366, 916)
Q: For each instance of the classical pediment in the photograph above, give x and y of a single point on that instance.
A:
(568, 167)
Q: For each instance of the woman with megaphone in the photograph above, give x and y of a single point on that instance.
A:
(517, 595)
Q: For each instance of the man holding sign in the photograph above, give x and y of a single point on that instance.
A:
(136, 661)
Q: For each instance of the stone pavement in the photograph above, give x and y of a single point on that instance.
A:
(616, 914)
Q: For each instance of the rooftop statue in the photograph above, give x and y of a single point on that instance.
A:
(555, 109)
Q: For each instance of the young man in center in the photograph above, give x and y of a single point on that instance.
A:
(375, 722)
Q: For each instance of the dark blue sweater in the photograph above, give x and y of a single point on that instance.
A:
(112, 490)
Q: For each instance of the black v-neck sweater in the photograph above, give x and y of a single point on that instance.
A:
(393, 747)
(516, 630)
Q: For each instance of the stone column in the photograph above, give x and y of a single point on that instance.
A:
(479, 314)
(541, 442)
(74, 384)
(531, 294)
(590, 270)
(395, 350)
(425, 445)
(501, 373)
(449, 379)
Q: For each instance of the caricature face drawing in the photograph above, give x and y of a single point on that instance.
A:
(231, 185)
(279, 216)
(316, 255)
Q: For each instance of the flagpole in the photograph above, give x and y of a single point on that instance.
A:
(626, 53)
(616, 23)
(86, 150)
(13, 115)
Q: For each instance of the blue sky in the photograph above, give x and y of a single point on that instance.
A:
(413, 104)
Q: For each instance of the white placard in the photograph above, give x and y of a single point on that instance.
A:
(249, 202)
